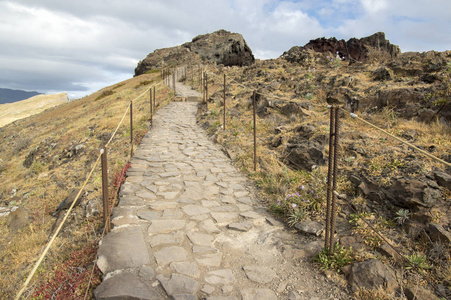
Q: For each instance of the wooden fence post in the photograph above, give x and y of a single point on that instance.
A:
(173, 81)
(255, 131)
(206, 91)
(224, 102)
(151, 106)
(131, 128)
(331, 205)
(105, 197)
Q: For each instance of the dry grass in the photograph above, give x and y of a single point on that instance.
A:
(51, 135)
(11, 112)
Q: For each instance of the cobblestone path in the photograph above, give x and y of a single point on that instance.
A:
(188, 226)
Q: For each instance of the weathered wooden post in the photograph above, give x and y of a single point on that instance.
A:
(173, 81)
(206, 91)
(131, 128)
(105, 197)
(154, 100)
(151, 105)
(255, 131)
(331, 206)
(224, 122)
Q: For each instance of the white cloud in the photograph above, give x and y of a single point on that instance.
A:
(78, 45)
(374, 6)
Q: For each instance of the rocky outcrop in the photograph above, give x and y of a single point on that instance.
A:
(220, 47)
(353, 49)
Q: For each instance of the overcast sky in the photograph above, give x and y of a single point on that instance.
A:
(81, 46)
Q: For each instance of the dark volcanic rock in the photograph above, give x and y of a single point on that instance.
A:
(220, 47)
(372, 274)
(304, 158)
(443, 179)
(412, 194)
(354, 49)
(381, 74)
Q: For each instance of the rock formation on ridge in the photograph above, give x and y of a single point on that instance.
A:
(220, 47)
(353, 49)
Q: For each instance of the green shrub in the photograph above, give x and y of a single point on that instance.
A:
(104, 94)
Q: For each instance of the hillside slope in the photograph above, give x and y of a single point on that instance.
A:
(11, 112)
(43, 158)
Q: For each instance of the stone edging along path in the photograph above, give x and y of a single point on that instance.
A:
(189, 226)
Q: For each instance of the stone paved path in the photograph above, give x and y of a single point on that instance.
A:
(188, 226)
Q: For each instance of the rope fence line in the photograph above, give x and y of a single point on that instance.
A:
(105, 229)
(41, 258)
(354, 116)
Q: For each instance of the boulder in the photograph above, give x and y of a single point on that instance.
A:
(221, 47)
(310, 227)
(411, 193)
(443, 179)
(67, 202)
(381, 74)
(18, 219)
(292, 109)
(438, 234)
(417, 293)
(372, 274)
(304, 158)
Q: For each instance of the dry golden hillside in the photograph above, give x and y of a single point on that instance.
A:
(42, 159)
(11, 112)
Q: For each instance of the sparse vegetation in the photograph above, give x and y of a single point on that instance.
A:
(340, 257)
(419, 261)
(104, 94)
(402, 216)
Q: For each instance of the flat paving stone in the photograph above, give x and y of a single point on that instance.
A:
(164, 226)
(148, 215)
(170, 254)
(210, 260)
(164, 239)
(192, 210)
(186, 268)
(201, 239)
(209, 226)
(146, 195)
(172, 214)
(126, 285)
(224, 217)
(242, 226)
(162, 205)
(258, 294)
(114, 252)
(178, 284)
(224, 276)
(259, 274)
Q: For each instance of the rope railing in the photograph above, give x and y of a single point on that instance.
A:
(44, 253)
(108, 208)
(399, 139)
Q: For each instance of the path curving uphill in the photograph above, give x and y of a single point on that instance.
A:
(189, 226)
